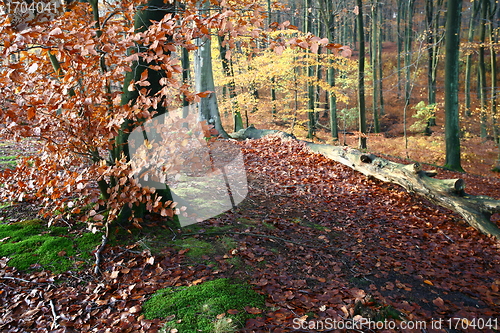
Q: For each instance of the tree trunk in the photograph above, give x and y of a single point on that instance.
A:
(468, 63)
(204, 81)
(452, 127)
(493, 73)
(361, 77)
(227, 68)
(482, 67)
(154, 10)
(332, 105)
(379, 57)
(407, 44)
(185, 78)
(432, 14)
(399, 43)
(448, 193)
(273, 80)
(328, 14)
(311, 123)
(374, 60)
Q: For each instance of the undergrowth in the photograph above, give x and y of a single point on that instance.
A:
(31, 245)
(213, 306)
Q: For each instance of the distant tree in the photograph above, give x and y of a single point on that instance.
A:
(376, 46)
(468, 62)
(311, 123)
(483, 88)
(204, 80)
(452, 45)
(432, 12)
(329, 10)
(361, 76)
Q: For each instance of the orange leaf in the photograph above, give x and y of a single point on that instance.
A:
(31, 113)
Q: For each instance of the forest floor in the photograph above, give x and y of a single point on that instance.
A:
(322, 242)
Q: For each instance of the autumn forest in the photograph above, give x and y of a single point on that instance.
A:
(249, 166)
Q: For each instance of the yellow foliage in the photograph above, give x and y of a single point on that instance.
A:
(284, 71)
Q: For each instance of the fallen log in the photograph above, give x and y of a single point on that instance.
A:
(448, 193)
(253, 133)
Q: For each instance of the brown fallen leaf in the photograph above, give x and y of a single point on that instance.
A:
(135, 309)
(252, 310)
(438, 302)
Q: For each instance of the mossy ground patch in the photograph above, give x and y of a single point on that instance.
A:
(200, 308)
(30, 244)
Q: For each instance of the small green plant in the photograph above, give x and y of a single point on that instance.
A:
(349, 118)
(213, 306)
(424, 114)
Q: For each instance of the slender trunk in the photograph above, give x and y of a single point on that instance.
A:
(375, 64)
(493, 74)
(208, 108)
(227, 68)
(452, 126)
(468, 63)
(482, 68)
(332, 105)
(185, 78)
(273, 80)
(361, 77)
(399, 43)
(311, 124)
(432, 13)
(379, 57)
(407, 44)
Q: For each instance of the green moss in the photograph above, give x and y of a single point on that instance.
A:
(29, 244)
(37, 222)
(196, 308)
(8, 162)
(246, 221)
(197, 248)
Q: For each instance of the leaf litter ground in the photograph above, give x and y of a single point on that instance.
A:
(320, 240)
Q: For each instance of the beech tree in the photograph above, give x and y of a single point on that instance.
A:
(361, 76)
(80, 82)
(452, 127)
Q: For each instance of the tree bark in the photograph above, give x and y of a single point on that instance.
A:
(154, 10)
(361, 77)
(208, 108)
(448, 193)
(452, 45)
